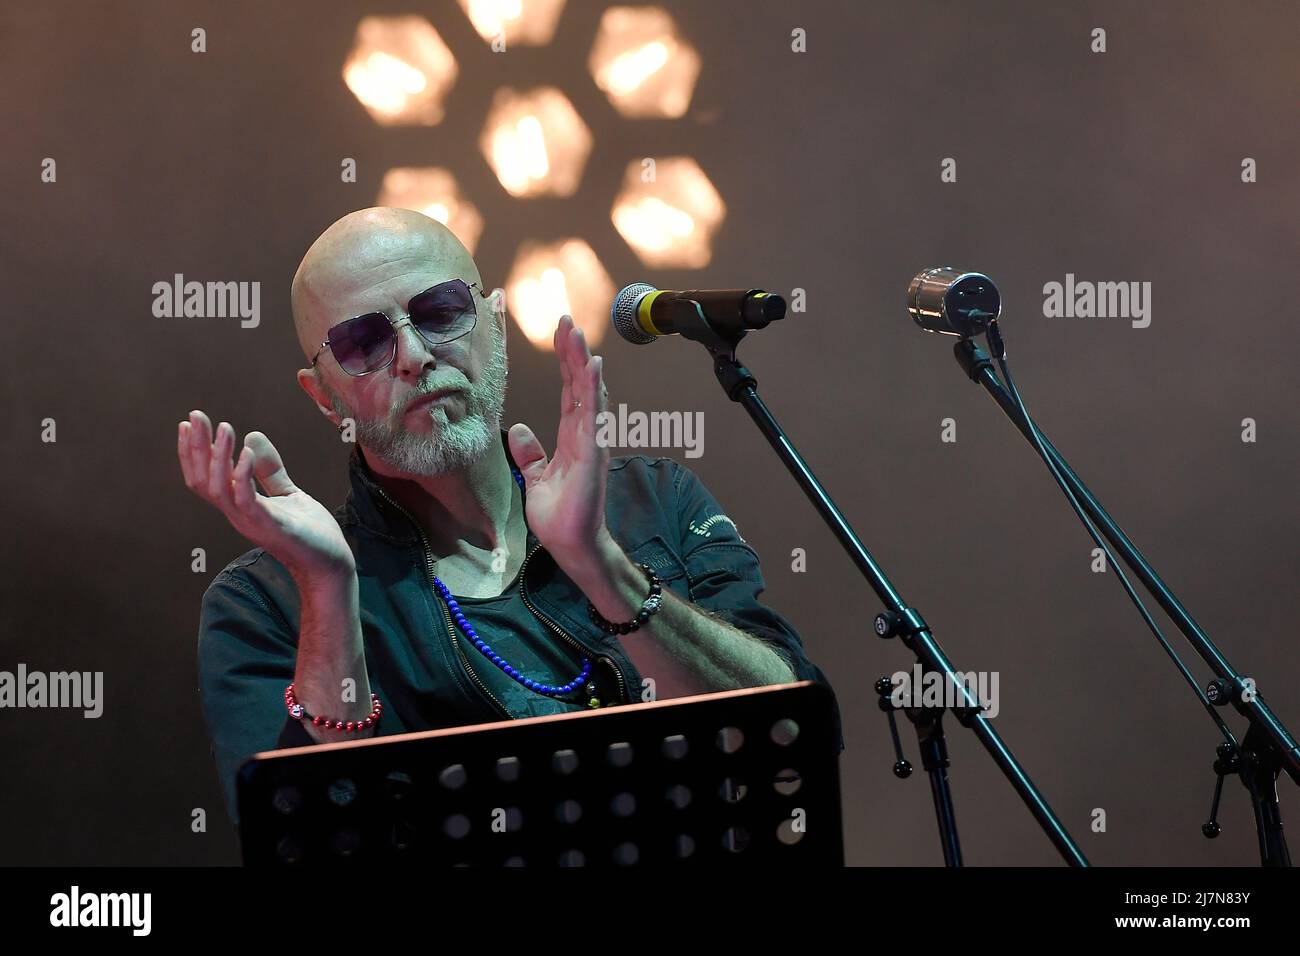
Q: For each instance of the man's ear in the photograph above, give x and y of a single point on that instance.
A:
(310, 383)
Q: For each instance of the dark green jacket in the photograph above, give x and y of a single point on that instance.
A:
(656, 509)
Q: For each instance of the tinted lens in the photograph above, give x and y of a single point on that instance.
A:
(444, 312)
(362, 344)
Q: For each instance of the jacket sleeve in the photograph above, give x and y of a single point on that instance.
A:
(246, 656)
(726, 580)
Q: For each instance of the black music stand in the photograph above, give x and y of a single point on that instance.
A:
(731, 778)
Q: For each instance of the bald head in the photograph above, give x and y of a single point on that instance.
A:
(359, 263)
(377, 260)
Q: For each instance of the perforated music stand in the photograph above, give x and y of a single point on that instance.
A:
(739, 777)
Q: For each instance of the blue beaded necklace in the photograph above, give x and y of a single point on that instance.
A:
(493, 656)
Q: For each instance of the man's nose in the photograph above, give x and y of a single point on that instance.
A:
(414, 354)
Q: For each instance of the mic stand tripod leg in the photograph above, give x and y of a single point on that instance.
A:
(934, 758)
(1259, 769)
(1268, 747)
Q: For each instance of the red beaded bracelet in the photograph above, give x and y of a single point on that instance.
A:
(298, 712)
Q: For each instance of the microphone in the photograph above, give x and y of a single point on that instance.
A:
(949, 302)
(642, 313)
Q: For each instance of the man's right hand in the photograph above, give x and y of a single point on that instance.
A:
(292, 526)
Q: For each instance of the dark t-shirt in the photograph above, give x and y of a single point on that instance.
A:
(515, 633)
(528, 645)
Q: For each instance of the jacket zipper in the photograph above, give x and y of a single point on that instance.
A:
(523, 593)
(446, 615)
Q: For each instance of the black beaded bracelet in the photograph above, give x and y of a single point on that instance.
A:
(651, 605)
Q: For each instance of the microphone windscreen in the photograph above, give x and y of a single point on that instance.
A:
(623, 313)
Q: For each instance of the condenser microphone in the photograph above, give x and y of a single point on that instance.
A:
(642, 313)
(951, 302)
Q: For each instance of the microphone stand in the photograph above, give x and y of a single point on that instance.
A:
(1267, 747)
(899, 619)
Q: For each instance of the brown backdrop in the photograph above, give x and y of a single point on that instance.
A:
(1122, 166)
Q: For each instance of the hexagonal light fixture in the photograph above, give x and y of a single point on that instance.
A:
(642, 65)
(400, 70)
(535, 142)
(555, 279)
(668, 213)
(514, 22)
(434, 192)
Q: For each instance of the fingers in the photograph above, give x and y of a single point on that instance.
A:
(584, 377)
(183, 452)
(268, 467)
(594, 401)
(583, 383)
(571, 349)
(200, 449)
(205, 461)
(219, 467)
(600, 393)
(563, 336)
(578, 351)
(242, 491)
(527, 452)
(561, 340)
(576, 369)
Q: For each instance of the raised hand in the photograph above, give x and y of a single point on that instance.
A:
(566, 493)
(292, 526)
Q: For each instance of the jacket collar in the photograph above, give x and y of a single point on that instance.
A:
(367, 503)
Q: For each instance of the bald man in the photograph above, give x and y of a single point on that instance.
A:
(469, 576)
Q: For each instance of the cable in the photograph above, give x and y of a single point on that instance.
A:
(999, 351)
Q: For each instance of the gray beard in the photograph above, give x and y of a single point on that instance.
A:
(452, 445)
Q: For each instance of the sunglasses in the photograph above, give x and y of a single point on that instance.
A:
(368, 343)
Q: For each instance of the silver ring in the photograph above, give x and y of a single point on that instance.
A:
(577, 404)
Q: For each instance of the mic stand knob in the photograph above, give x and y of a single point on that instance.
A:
(1219, 692)
(1229, 762)
(934, 757)
(885, 690)
(887, 624)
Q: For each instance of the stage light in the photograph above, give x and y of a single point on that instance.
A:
(400, 70)
(642, 65)
(434, 192)
(668, 213)
(560, 278)
(535, 142)
(514, 22)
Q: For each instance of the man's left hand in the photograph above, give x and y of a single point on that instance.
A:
(566, 493)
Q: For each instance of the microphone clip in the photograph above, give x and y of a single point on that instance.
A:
(688, 320)
(972, 359)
